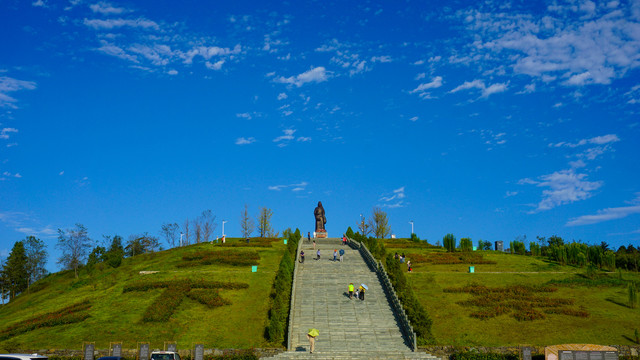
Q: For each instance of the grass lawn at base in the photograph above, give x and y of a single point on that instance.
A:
(610, 320)
(117, 316)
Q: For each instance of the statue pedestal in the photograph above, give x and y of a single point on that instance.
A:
(320, 235)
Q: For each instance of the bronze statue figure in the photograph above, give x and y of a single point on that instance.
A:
(320, 218)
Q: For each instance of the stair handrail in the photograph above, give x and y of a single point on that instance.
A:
(396, 305)
(293, 294)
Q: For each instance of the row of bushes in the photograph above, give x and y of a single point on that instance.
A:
(281, 291)
(209, 298)
(230, 355)
(522, 301)
(68, 315)
(416, 313)
(253, 242)
(166, 304)
(450, 258)
(228, 257)
(185, 283)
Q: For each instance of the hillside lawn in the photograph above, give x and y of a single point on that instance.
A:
(117, 316)
(611, 321)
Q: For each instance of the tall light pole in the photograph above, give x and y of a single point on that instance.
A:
(181, 235)
(223, 221)
(411, 222)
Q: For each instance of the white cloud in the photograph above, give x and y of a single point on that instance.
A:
(303, 139)
(396, 194)
(244, 116)
(288, 135)
(114, 50)
(317, 74)
(282, 96)
(39, 3)
(61, 173)
(4, 133)
(415, 118)
(479, 84)
(510, 193)
(245, 141)
(108, 24)
(435, 83)
(294, 187)
(382, 59)
(9, 85)
(564, 187)
(215, 66)
(105, 8)
(607, 214)
(598, 140)
(172, 72)
(8, 174)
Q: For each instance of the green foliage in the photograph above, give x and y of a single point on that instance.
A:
(633, 295)
(521, 301)
(416, 313)
(468, 258)
(35, 250)
(166, 304)
(96, 256)
(74, 245)
(381, 227)
(517, 247)
(68, 315)
(375, 246)
(264, 222)
(349, 233)
(15, 271)
(209, 298)
(281, 292)
(466, 244)
(141, 244)
(414, 238)
(449, 242)
(228, 257)
(468, 355)
(484, 245)
(535, 249)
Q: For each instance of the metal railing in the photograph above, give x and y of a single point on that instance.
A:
(293, 294)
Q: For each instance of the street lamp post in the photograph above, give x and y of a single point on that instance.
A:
(181, 235)
(223, 221)
(411, 222)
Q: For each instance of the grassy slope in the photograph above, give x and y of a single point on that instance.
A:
(609, 323)
(117, 317)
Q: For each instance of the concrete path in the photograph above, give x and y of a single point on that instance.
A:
(349, 328)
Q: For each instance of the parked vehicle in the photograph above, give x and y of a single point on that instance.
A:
(22, 357)
(165, 355)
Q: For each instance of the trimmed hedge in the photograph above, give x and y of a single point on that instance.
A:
(416, 313)
(483, 356)
(281, 292)
(68, 315)
(227, 257)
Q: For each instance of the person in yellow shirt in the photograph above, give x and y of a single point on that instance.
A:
(350, 291)
(361, 291)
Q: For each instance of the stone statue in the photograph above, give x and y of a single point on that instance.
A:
(320, 218)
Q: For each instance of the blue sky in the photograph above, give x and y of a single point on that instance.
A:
(487, 120)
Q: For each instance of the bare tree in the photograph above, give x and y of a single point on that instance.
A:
(381, 226)
(197, 229)
(364, 227)
(170, 233)
(264, 222)
(246, 223)
(186, 232)
(75, 245)
(208, 221)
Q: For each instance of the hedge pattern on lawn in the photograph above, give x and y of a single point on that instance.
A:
(523, 302)
(227, 257)
(281, 292)
(68, 315)
(468, 355)
(253, 242)
(203, 291)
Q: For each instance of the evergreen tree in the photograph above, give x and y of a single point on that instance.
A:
(449, 242)
(115, 253)
(15, 270)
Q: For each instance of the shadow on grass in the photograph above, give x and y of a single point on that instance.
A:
(618, 303)
(630, 339)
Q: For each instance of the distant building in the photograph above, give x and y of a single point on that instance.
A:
(499, 246)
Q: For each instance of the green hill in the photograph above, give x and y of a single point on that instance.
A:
(517, 299)
(201, 293)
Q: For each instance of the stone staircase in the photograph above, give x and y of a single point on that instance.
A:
(349, 329)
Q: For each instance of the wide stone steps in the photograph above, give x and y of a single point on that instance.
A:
(357, 355)
(349, 328)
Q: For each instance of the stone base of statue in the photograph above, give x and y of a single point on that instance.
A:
(322, 234)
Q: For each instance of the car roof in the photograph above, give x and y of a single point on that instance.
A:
(24, 356)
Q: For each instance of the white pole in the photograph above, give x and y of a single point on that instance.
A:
(411, 222)
(223, 221)
(181, 235)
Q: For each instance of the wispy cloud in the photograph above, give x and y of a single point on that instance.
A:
(27, 224)
(9, 85)
(607, 214)
(479, 84)
(245, 141)
(109, 24)
(4, 133)
(317, 75)
(105, 8)
(293, 187)
(7, 174)
(394, 199)
(435, 83)
(598, 140)
(564, 187)
(288, 135)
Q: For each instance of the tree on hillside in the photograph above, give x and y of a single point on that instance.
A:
(75, 245)
(208, 222)
(187, 232)
(170, 233)
(96, 256)
(246, 223)
(381, 227)
(364, 227)
(4, 281)
(115, 252)
(36, 252)
(466, 244)
(15, 270)
(264, 222)
(449, 242)
(141, 244)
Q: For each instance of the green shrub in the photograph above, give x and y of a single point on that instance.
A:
(466, 244)
(67, 315)
(449, 242)
(482, 356)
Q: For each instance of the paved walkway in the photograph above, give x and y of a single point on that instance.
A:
(349, 328)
